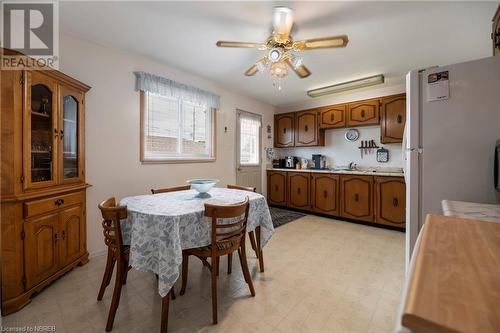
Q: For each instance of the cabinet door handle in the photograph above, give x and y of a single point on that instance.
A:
(325, 194)
(55, 133)
(356, 197)
(276, 188)
(64, 234)
(395, 202)
(55, 238)
(400, 119)
(332, 117)
(284, 130)
(298, 190)
(362, 113)
(306, 128)
(62, 134)
(497, 38)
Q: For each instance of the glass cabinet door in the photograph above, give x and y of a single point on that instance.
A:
(69, 135)
(41, 132)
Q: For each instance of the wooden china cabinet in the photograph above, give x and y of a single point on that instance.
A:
(43, 187)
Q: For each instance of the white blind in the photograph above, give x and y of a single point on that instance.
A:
(249, 139)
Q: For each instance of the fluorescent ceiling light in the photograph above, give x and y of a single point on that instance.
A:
(350, 85)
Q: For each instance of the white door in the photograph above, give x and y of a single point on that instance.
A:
(248, 149)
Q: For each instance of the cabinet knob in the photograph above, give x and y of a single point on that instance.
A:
(276, 188)
(62, 134)
(284, 130)
(332, 117)
(306, 128)
(325, 194)
(63, 234)
(400, 119)
(362, 113)
(356, 197)
(298, 190)
(55, 238)
(55, 133)
(395, 202)
(496, 38)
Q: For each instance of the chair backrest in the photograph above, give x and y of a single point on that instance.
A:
(243, 188)
(171, 189)
(226, 237)
(112, 215)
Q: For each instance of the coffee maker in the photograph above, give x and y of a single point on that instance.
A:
(319, 161)
(290, 162)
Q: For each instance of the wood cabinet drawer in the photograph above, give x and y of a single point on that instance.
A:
(37, 207)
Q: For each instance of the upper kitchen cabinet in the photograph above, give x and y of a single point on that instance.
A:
(284, 130)
(307, 131)
(363, 113)
(392, 118)
(495, 34)
(332, 116)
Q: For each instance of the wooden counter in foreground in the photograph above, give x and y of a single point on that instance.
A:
(455, 285)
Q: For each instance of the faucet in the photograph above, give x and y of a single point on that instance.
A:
(352, 166)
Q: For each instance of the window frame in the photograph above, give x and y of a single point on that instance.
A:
(239, 113)
(145, 159)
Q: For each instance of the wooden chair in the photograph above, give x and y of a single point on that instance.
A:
(226, 238)
(171, 189)
(255, 245)
(117, 254)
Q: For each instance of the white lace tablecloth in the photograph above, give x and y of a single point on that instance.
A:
(160, 226)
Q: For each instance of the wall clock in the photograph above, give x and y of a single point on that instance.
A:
(352, 135)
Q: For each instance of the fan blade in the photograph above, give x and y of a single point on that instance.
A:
(300, 70)
(320, 43)
(252, 70)
(282, 22)
(259, 46)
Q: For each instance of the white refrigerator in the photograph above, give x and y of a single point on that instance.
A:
(452, 125)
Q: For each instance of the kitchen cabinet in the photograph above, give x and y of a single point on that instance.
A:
(363, 113)
(356, 201)
(390, 201)
(392, 118)
(307, 131)
(332, 116)
(276, 188)
(284, 127)
(43, 175)
(495, 33)
(325, 193)
(299, 190)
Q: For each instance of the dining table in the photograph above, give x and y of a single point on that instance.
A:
(159, 226)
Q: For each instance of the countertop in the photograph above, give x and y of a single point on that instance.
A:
(471, 210)
(391, 172)
(454, 277)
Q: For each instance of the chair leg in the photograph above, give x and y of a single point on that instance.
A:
(229, 263)
(259, 249)
(215, 268)
(251, 235)
(217, 260)
(172, 293)
(116, 296)
(126, 268)
(108, 271)
(185, 263)
(244, 267)
(241, 264)
(164, 312)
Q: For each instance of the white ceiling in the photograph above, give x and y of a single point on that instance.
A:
(384, 37)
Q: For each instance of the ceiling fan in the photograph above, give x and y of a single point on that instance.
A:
(280, 48)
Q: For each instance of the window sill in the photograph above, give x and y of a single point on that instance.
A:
(176, 160)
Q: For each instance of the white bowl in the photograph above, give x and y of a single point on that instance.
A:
(202, 185)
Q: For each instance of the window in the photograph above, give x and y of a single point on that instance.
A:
(249, 137)
(176, 130)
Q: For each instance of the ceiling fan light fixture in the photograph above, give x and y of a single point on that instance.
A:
(275, 54)
(278, 69)
(349, 85)
(282, 21)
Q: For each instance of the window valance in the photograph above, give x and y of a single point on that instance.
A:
(166, 87)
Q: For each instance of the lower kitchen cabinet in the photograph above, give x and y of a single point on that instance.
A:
(356, 197)
(377, 199)
(298, 190)
(277, 188)
(390, 201)
(325, 193)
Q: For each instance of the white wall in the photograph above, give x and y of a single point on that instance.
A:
(112, 116)
(337, 149)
